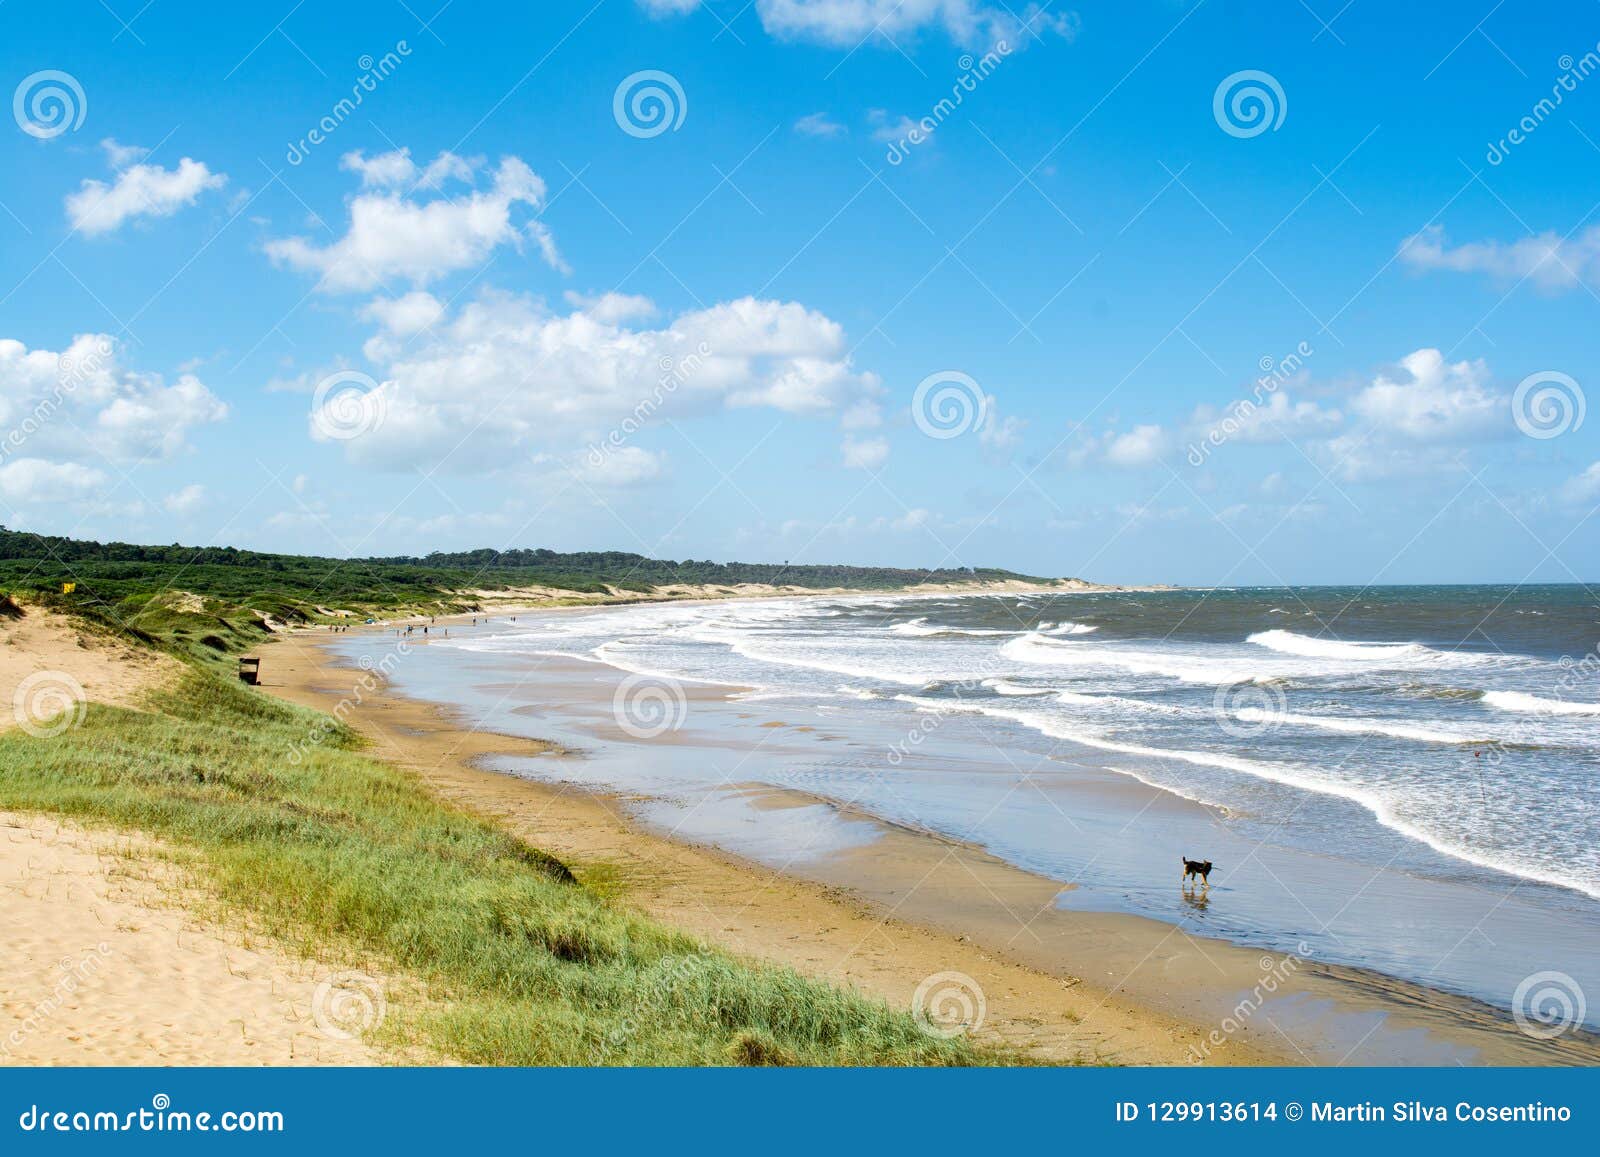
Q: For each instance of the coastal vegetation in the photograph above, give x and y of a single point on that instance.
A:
(287, 826)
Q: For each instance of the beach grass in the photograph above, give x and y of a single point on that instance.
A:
(289, 828)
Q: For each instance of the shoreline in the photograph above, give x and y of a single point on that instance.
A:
(1141, 990)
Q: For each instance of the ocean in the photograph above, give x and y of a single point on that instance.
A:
(1415, 769)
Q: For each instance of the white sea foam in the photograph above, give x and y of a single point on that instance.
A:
(1356, 726)
(1290, 643)
(1520, 701)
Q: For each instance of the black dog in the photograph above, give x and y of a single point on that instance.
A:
(1200, 868)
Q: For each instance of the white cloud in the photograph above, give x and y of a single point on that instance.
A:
(36, 480)
(1141, 446)
(997, 433)
(888, 128)
(1436, 401)
(405, 316)
(865, 453)
(818, 124)
(505, 378)
(120, 156)
(80, 405)
(140, 190)
(403, 236)
(847, 23)
(612, 307)
(1582, 488)
(623, 466)
(185, 501)
(1274, 419)
(1550, 261)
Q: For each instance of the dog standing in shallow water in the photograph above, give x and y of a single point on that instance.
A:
(1197, 868)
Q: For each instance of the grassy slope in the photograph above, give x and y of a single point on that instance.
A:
(339, 852)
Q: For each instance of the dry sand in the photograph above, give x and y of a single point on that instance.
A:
(100, 966)
(102, 962)
(47, 661)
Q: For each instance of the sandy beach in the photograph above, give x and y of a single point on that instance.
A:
(887, 913)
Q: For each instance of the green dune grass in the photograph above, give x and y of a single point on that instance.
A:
(342, 856)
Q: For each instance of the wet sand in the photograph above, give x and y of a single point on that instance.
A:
(885, 907)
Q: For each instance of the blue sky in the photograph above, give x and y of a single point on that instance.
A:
(496, 302)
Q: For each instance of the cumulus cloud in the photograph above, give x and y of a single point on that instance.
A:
(865, 453)
(1141, 446)
(1432, 400)
(139, 190)
(1550, 261)
(81, 405)
(818, 124)
(416, 234)
(624, 466)
(1275, 418)
(30, 480)
(846, 23)
(1582, 488)
(505, 378)
(185, 501)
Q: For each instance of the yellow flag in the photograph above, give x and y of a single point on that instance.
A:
(68, 588)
